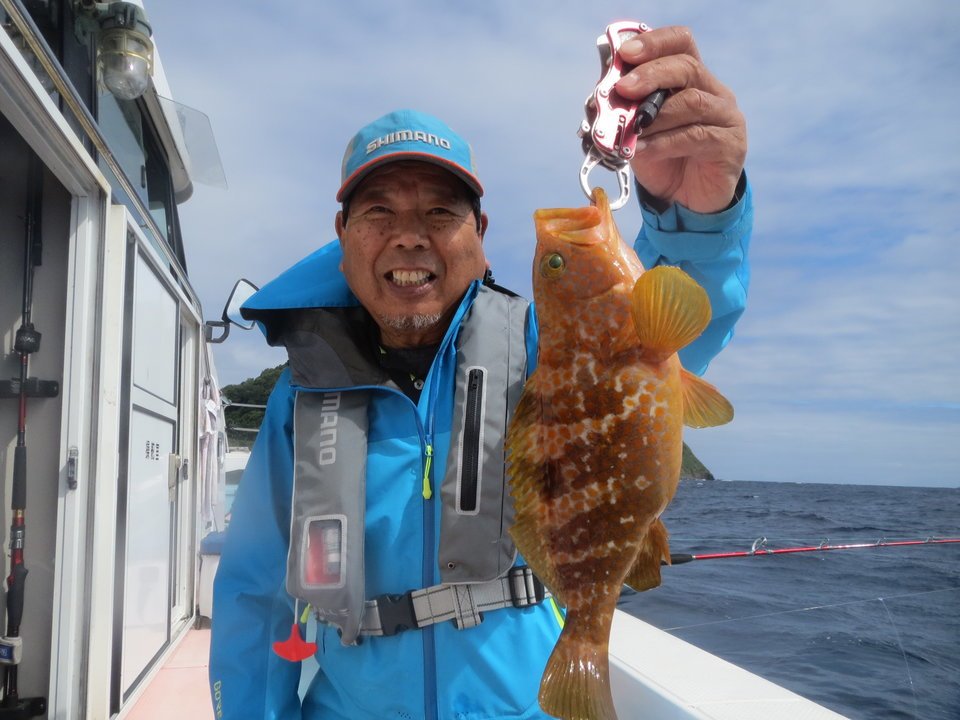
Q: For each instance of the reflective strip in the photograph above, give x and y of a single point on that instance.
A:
(558, 616)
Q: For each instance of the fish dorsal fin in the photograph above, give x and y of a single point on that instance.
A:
(670, 310)
(703, 405)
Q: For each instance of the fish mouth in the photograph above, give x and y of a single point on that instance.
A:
(578, 226)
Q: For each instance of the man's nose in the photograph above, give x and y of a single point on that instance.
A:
(410, 229)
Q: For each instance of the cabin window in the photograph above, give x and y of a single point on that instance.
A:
(159, 189)
(122, 126)
(137, 150)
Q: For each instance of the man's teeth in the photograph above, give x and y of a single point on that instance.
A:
(410, 277)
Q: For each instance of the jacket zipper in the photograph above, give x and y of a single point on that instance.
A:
(429, 559)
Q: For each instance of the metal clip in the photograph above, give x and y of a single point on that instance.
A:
(609, 131)
(759, 546)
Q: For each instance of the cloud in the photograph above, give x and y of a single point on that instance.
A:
(844, 366)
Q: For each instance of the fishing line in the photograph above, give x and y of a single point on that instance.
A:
(807, 609)
(903, 654)
(882, 601)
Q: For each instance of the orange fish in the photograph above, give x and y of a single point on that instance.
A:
(595, 445)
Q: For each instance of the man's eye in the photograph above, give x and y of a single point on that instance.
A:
(377, 210)
(440, 211)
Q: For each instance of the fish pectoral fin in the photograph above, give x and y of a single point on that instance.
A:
(655, 549)
(669, 309)
(703, 405)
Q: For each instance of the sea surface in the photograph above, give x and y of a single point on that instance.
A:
(870, 633)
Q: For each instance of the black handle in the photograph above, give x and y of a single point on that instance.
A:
(18, 500)
(649, 108)
(16, 582)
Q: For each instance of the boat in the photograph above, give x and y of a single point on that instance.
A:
(123, 429)
(124, 432)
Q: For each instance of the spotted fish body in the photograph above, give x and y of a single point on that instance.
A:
(595, 445)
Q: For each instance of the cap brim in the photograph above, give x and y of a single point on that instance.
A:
(350, 184)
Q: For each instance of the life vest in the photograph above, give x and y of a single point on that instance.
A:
(325, 563)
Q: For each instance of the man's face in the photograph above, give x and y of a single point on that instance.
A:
(410, 249)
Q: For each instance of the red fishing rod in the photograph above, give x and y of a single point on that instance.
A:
(26, 342)
(760, 548)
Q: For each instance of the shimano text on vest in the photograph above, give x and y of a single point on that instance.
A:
(329, 414)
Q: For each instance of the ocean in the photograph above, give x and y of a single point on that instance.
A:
(870, 633)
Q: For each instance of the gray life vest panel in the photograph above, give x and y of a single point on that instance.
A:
(325, 565)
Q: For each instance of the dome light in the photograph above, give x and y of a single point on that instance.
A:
(125, 51)
(124, 48)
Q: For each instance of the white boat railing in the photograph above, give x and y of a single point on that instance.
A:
(656, 676)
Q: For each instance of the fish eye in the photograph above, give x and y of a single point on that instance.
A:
(552, 265)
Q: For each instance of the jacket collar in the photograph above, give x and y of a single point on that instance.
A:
(310, 309)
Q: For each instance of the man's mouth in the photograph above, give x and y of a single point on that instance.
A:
(410, 278)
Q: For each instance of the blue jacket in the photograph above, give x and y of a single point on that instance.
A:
(489, 671)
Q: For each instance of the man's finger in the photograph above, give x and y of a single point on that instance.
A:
(705, 143)
(692, 106)
(672, 72)
(660, 42)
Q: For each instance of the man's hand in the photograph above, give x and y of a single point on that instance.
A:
(694, 151)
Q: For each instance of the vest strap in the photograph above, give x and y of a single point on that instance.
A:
(464, 604)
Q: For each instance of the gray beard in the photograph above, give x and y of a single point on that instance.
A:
(410, 322)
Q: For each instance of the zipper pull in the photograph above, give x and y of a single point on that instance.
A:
(427, 491)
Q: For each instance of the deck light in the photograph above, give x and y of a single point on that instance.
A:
(124, 48)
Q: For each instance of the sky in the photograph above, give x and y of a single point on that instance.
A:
(845, 367)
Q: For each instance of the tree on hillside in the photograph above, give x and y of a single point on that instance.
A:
(692, 468)
(252, 391)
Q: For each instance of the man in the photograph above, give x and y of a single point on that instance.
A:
(378, 469)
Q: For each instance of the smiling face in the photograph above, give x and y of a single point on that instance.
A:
(411, 248)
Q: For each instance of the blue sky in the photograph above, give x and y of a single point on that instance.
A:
(846, 366)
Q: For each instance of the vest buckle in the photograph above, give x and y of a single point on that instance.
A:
(525, 587)
(396, 613)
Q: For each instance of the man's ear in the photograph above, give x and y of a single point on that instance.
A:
(483, 224)
(338, 224)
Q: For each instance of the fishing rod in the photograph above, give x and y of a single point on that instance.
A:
(26, 342)
(760, 548)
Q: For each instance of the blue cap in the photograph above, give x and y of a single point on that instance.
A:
(406, 135)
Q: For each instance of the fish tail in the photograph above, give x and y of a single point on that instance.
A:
(576, 681)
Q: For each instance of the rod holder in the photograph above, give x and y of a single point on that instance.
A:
(32, 387)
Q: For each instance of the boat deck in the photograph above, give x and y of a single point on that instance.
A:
(179, 689)
(685, 683)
